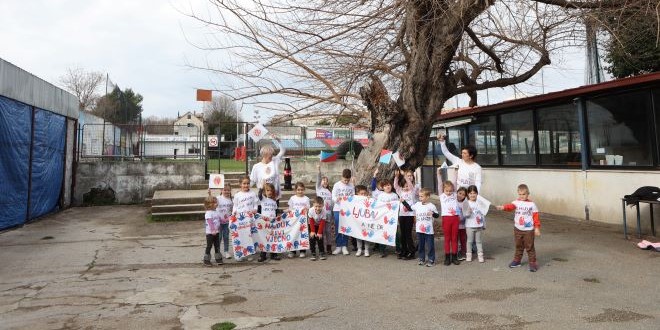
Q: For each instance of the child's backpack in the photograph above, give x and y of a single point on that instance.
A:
(646, 193)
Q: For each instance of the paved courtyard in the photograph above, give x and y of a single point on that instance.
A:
(108, 268)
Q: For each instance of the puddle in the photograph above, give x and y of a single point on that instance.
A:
(232, 299)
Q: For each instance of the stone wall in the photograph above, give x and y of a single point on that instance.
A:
(133, 182)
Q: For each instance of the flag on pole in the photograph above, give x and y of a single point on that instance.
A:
(204, 95)
(398, 159)
(385, 156)
(328, 156)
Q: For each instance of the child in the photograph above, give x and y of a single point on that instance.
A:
(461, 193)
(449, 205)
(525, 220)
(268, 209)
(424, 214)
(387, 195)
(474, 223)
(341, 189)
(376, 188)
(317, 218)
(323, 191)
(299, 203)
(245, 201)
(212, 221)
(224, 211)
(361, 190)
(406, 215)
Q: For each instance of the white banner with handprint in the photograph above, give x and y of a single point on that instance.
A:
(368, 219)
(252, 233)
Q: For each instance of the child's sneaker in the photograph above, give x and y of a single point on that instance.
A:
(312, 257)
(302, 254)
(262, 258)
(480, 257)
(290, 255)
(207, 260)
(533, 267)
(366, 253)
(358, 253)
(514, 264)
(337, 250)
(430, 264)
(322, 256)
(421, 262)
(468, 257)
(344, 250)
(227, 255)
(462, 257)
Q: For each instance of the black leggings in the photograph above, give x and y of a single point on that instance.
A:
(212, 240)
(406, 225)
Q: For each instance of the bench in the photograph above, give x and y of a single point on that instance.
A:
(651, 203)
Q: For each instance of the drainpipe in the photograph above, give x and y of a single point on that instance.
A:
(584, 150)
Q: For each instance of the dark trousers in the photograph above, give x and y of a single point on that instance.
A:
(524, 241)
(212, 240)
(423, 240)
(406, 226)
(462, 239)
(263, 255)
(314, 241)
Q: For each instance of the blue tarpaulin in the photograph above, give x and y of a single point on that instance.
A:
(47, 162)
(15, 126)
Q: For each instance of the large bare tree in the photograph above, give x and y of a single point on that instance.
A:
(84, 85)
(393, 63)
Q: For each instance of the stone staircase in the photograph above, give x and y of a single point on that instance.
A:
(177, 205)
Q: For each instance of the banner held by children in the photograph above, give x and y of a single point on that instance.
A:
(241, 229)
(252, 233)
(285, 233)
(367, 219)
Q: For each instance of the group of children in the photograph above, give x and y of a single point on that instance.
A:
(463, 221)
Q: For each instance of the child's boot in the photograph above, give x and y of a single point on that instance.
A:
(468, 256)
(480, 256)
(262, 257)
(207, 260)
(447, 259)
(218, 258)
(454, 259)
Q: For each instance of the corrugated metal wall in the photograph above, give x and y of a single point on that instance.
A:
(37, 127)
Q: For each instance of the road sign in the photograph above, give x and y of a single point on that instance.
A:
(213, 141)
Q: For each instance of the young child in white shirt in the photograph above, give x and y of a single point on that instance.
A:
(386, 195)
(340, 190)
(361, 190)
(316, 217)
(425, 212)
(474, 223)
(450, 221)
(212, 223)
(409, 192)
(268, 209)
(323, 191)
(224, 207)
(526, 226)
(299, 203)
(245, 201)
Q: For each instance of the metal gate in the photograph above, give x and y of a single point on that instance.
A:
(228, 148)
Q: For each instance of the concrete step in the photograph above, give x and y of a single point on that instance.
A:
(177, 208)
(178, 216)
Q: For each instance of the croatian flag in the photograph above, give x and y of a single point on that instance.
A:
(327, 156)
(385, 156)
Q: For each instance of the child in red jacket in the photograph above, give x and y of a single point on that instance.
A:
(317, 217)
(526, 226)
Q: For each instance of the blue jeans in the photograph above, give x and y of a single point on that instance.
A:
(341, 239)
(422, 240)
(224, 235)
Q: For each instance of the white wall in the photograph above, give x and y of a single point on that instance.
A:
(568, 192)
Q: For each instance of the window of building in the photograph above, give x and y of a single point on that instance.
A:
(482, 133)
(619, 129)
(517, 138)
(559, 135)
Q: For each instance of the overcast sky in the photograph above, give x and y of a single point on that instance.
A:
(142, 44)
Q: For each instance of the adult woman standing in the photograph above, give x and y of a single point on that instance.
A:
(267, 171)
(469, 172)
